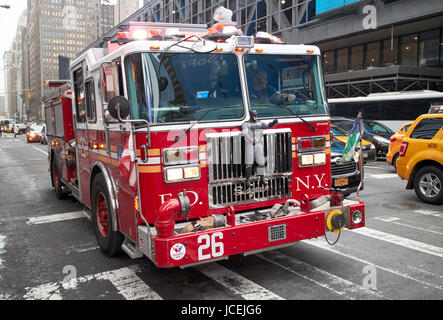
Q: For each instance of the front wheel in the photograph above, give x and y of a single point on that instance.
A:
(428, 184)
(109, 241)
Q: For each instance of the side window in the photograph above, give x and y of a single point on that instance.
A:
(90, 101)
(79, 90)
(112, 81)
(427, 128)
(347, 125)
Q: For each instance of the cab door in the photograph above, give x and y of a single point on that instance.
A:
(82, 134)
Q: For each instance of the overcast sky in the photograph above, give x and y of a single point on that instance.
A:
(8, 27)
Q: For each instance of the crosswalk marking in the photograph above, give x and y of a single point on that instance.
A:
(319, 243)
(239, 285)
(404, 242)
(438, 214)
(320, 277)
(56, 217)
(399, 222)
(125, 280)
(2, 248)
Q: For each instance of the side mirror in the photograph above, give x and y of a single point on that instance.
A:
(119, 108)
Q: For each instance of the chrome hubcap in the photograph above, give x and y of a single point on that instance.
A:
(430, 185)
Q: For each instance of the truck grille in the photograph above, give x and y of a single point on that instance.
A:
(224, 194)
(345, 168)
(226, 166)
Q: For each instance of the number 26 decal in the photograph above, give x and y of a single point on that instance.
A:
(213, 242)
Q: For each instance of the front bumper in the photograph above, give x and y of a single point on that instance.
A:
(247, 237)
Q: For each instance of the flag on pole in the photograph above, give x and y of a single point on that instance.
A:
(127, 162)
(354, 139)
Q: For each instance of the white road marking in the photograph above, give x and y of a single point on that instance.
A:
(382, 175)
(320, 243)
(400, 241)
(396, 220)
(432, 213)
(82, 247)
(45, 152)
(125, 280)
(318, 276)
(246, 288)
(56, 217)
(2, 248)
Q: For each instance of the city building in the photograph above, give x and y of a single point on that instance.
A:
(124, 8)
(56, 28)
(106, 16)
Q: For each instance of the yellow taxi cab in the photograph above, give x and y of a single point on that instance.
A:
(421, 158)
(369, 152)
(395, 143)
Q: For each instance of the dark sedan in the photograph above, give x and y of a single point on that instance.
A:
(375, 132)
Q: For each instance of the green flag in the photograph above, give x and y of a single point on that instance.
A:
(354, 139)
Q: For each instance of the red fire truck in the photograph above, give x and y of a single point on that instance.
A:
(147, 135)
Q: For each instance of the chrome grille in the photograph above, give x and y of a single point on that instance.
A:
(226, 159)
(226, 156)
(345, 168)
(223, 194)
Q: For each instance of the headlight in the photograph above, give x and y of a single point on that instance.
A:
(183, 155)
(178, 174)
(312, 159)
(357, 217)
(372, 147)
(191, 172)
(381, 139)
(174, 174)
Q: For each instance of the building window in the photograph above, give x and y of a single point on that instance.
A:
(372, 57)
(429, 46)
(328, 61)
(342, 60)
(357, 57)
(390, 52)
(408, 50)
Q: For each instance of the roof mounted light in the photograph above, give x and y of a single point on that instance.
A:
(264, 37)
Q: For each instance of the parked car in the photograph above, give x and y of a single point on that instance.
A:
(421, 158)
(375, 132)
(369, 152)
(395, 143)
(35, 133)
(345, 176)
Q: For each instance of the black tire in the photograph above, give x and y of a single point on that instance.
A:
(428, 184)
(394, 162)
(55, 178)
(109, 241)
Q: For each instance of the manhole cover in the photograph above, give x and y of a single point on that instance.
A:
(401, 206)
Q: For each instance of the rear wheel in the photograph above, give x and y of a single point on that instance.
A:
(58, 185)
(109, 241)
(428, 184)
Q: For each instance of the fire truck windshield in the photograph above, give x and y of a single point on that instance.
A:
(285, 85)
(181, 87)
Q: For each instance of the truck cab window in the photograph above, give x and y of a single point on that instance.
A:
(79, 90)
(90, 101)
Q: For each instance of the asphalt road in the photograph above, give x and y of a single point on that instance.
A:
(44, 242)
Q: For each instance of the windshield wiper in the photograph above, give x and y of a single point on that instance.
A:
(287, 108)
(206, 111)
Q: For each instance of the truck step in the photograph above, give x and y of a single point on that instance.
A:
(130, 248)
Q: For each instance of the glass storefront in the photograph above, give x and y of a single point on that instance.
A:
(424, 49)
